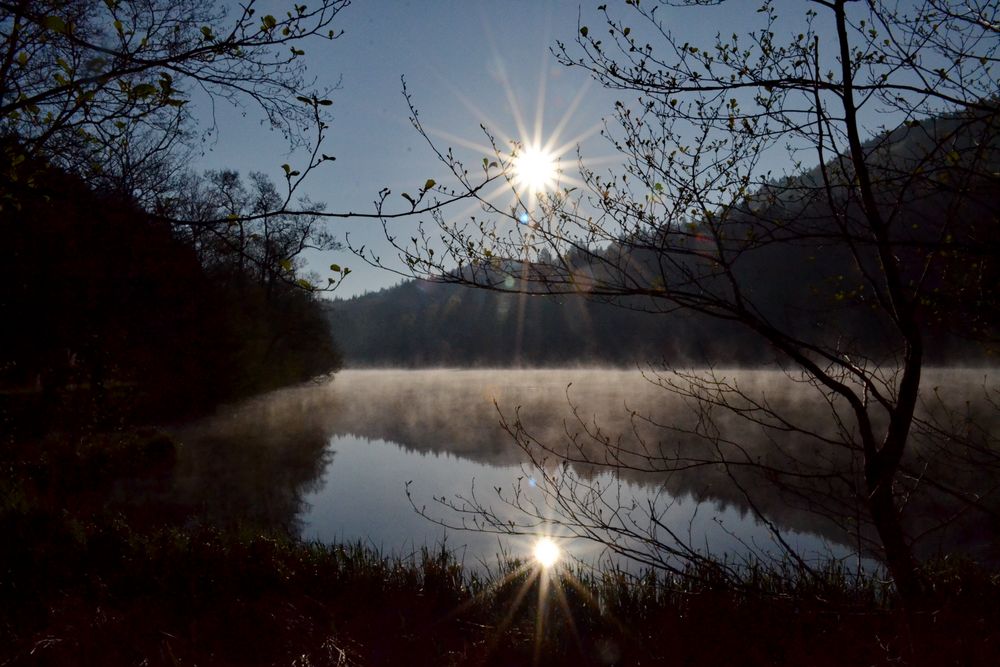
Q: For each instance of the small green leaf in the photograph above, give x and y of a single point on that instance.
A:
(268, 22)
(335, 268)
(304, 284)
(54, 23)
(429, 184)
(325, 103)
(144, 90)
(584, 31)
(287, 168)
(286, 264)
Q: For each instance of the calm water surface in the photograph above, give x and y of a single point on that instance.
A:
(333, 461)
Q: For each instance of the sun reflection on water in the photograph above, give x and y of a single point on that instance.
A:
(546, 552)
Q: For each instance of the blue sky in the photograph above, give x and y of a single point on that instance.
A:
(466, 62)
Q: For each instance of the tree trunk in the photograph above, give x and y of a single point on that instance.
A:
(881, 464)
(898, 554)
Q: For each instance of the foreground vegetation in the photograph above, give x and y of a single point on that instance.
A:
(84, 580)
(104, 594)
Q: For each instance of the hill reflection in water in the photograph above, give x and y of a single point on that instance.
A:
(330, 461)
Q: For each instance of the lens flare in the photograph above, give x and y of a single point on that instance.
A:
(546, 552)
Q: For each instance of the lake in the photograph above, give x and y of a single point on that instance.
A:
(402, 459)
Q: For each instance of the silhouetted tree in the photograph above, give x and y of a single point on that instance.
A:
(88, 282)
(255, 243)
(99, 294)
(844, 271)
(84, 81)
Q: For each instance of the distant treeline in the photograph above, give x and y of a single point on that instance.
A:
(105, 308)
(426, 324)
(431, 324)
(797, 279)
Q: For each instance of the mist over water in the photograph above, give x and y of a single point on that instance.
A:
(331, 461)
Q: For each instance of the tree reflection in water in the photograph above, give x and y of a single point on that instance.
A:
(249, 465)
(252, 464)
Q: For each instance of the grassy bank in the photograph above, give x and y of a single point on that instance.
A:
(88, 577)
(77, 592)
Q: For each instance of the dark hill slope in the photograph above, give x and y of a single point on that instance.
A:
(426, 324)
(937, 188)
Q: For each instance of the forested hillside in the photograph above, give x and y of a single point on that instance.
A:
(109, 312)
(422, 324)
(797, 278)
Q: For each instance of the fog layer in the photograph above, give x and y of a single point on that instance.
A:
(780, 451)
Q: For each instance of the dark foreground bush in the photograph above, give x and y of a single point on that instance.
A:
(82, 584)
(74, 592)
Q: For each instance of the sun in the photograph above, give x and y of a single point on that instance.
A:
(546, 552)
(535, 169)
(527, 163)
